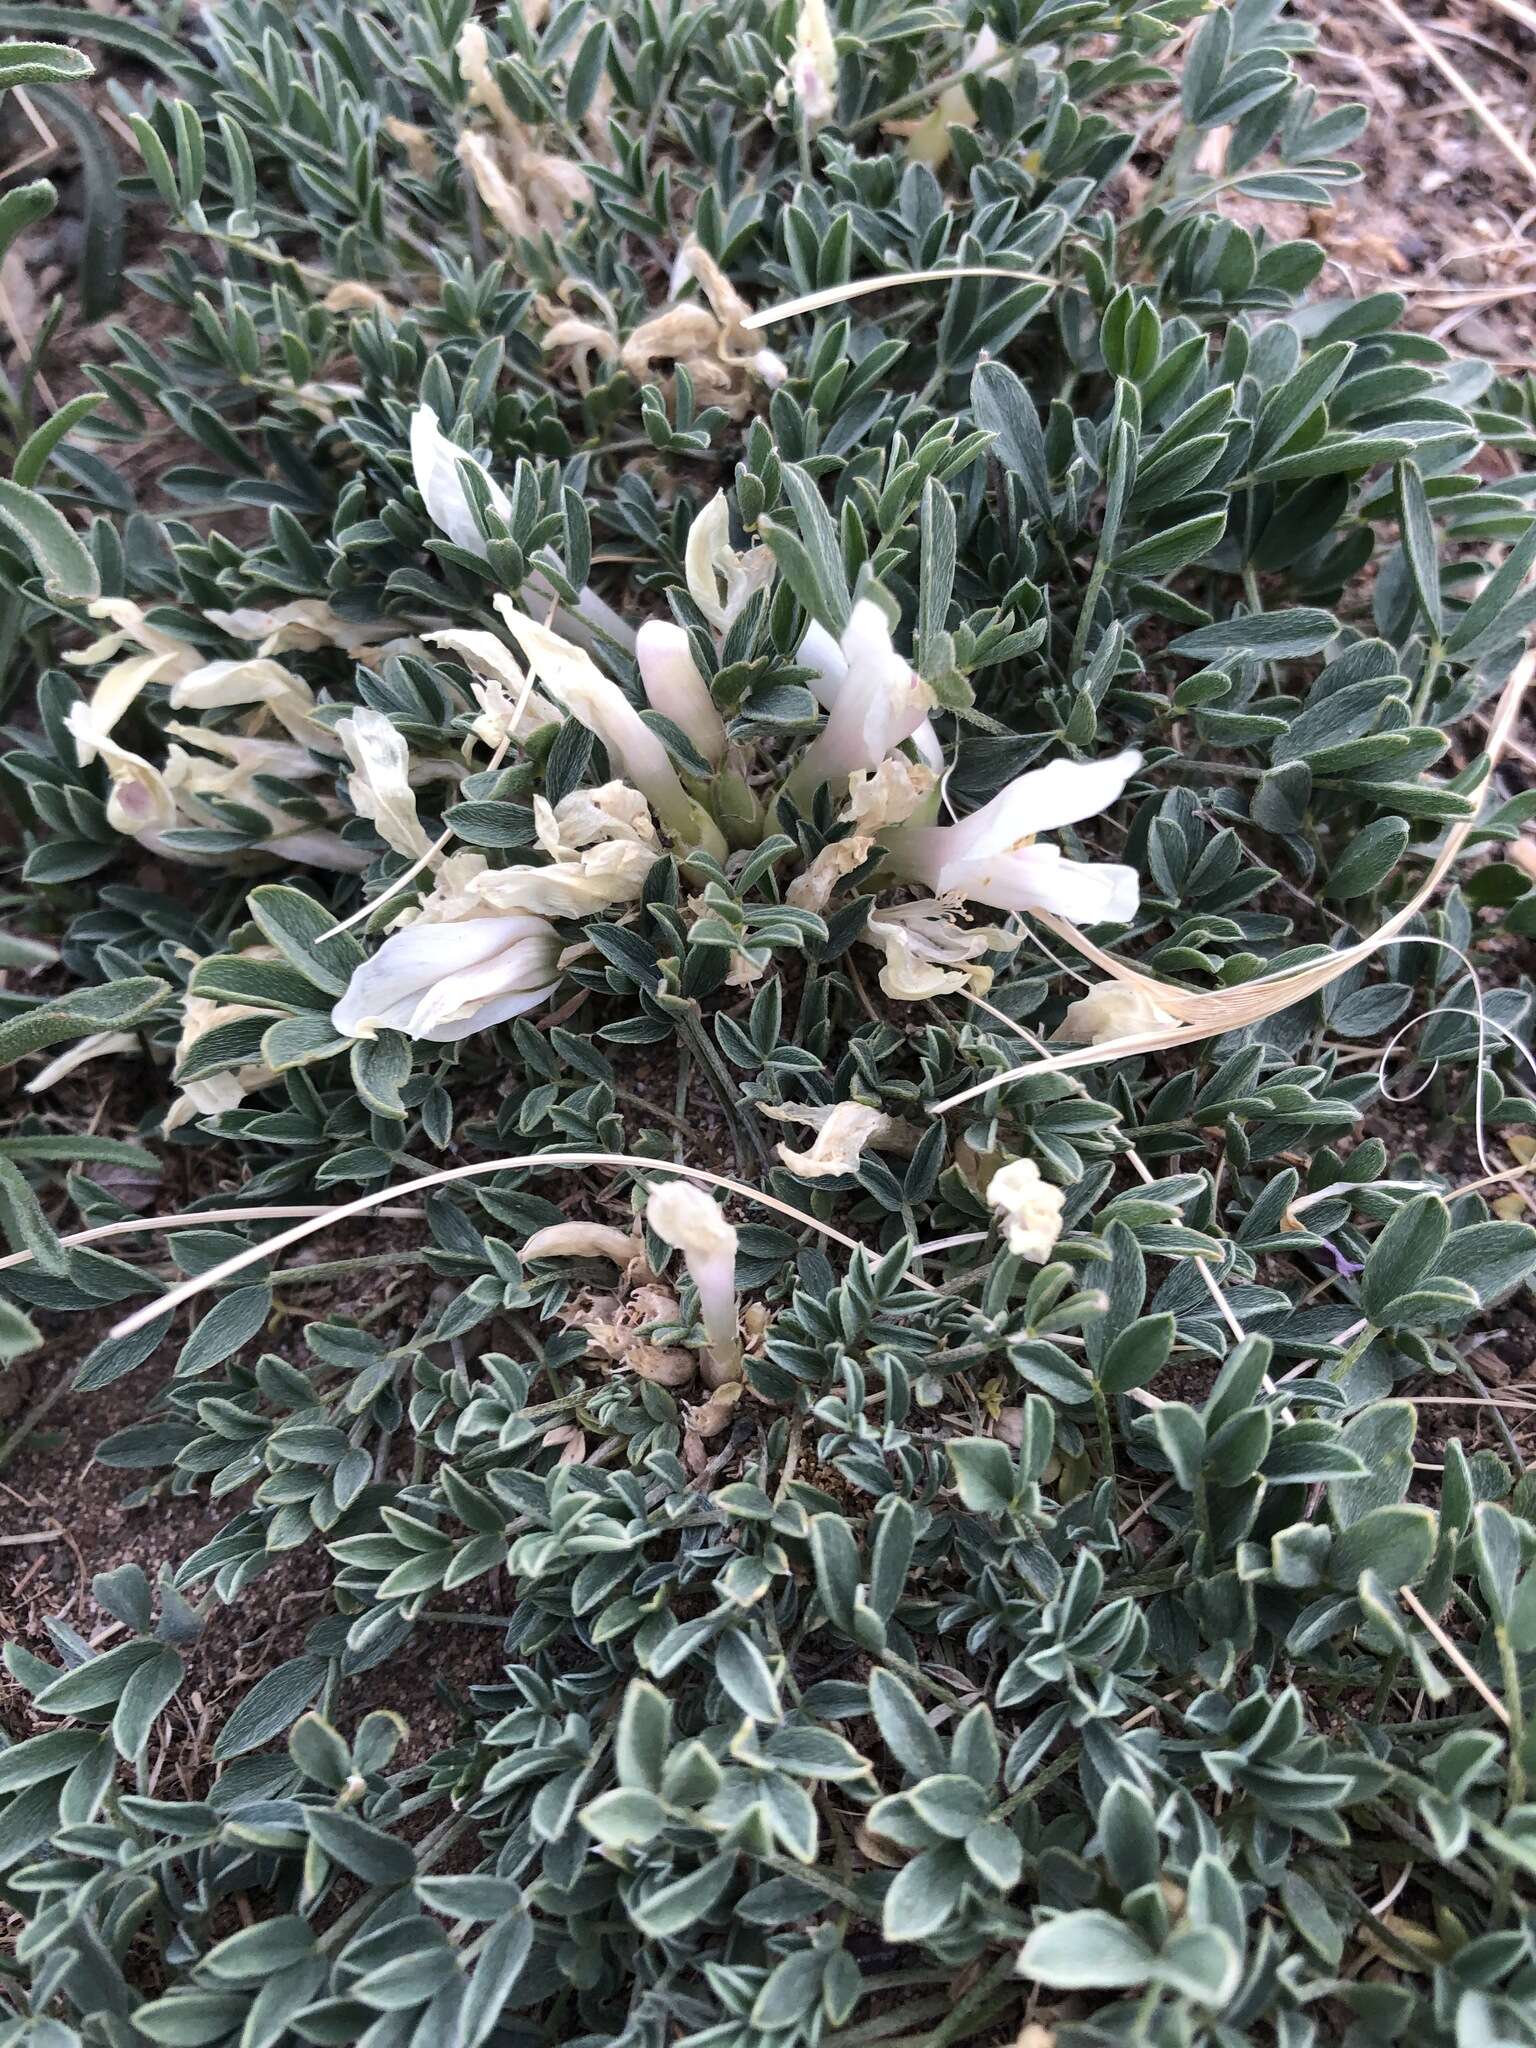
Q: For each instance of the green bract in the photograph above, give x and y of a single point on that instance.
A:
(1092, 1587)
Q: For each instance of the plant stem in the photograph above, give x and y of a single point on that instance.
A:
(1514, 1706)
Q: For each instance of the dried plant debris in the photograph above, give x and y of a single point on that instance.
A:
(768, 1006)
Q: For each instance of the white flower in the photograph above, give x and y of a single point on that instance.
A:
(195, 781)
(686, 1218)
(820, 653)
(435, 462)
(810, 76)
(1029, 1208)
(1111, 1009)
(444, 981)
(928, 140)
(879, 702)
(674, 687)
(601, 706)
(436, 467)
(992, 856)
(927, 953)
(721, 580)
(379, 784)
(146, 802)
(842, 1130)
(580, 884)
(593, 880)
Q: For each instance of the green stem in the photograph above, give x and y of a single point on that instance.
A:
(1106, 1435)
(1514, 1706)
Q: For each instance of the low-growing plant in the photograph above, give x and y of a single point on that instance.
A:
(779, 688)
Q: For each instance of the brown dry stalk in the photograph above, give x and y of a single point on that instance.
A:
(1207, 1013)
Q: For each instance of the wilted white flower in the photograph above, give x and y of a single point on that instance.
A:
(813, 890)
(99, 1045)
(588, 817)
(584, 1241)
(722, 580)
(214, 1094)
(686, 1218)
(140, 803)
(879, 702)
(674, 687)
(722, 355)
(525, 188)
(441, 982)
(810, 76)
(498, 686)
(927, 951)
(890, 794)
(305, 624)
(583, 334)
(616, 1329)
(993, 856)
(379, 784)
(842, 1130)
(574, 679)
(255, 680)
(1029, 1208)
(420, 149)
(1111, 1009)
(706, 1419)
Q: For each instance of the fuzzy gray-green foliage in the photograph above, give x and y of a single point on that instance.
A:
(1058, 1613)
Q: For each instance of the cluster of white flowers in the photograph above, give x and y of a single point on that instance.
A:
(204, 766)
(484, 944)
(877, 750)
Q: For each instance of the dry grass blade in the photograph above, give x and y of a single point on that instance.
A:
(1517, 10)
(131, 1226)
(1207, 1013)
(1463, 87)
(836, 294)
(521, 1162)
(1416, 1607)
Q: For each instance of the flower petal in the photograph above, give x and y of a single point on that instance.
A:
(435, 461)
(1044, 799)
